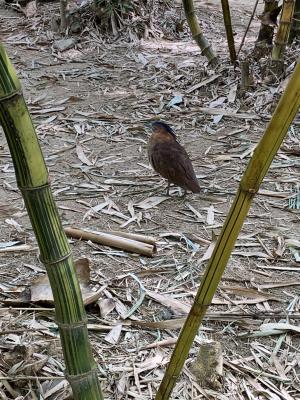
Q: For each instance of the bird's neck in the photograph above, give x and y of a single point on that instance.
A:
(159, 137)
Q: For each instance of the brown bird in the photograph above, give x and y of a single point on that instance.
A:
(169, 158)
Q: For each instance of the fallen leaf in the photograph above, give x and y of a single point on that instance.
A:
(41, 289)
(82, 157)
(151, 202)
(114, 335)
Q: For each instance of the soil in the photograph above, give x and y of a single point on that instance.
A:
(91, 106)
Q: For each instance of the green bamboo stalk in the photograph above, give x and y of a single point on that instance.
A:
(33, 181)
(295, 29)
(256, 170)
(196, 31)
(283, 32)
(228, 27)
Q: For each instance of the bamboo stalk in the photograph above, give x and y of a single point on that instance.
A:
(256, 170)
(112, 240)
(228, 27)
(295, 29)
(283, 32)
(196, 31)
(32, 179)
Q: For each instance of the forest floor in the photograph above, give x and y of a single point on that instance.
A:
(90, 105)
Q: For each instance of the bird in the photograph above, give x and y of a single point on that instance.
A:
(169, 159)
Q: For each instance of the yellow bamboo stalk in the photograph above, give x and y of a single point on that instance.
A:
(256, 170)
(283, 32)
(196, 31)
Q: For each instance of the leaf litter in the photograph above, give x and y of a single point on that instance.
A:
(90, 105)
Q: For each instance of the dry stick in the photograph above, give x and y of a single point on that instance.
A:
(247, 29)
(107, 239)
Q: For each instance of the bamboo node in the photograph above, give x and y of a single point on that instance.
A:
(57, 261)
(34, 188)
(10, 95)
(83, 376)
(251, 191)
(75, 324)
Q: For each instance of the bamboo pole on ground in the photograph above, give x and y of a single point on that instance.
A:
(228, 28)
(113, 240)
(256, 170)
(196, 31)
(33, 182)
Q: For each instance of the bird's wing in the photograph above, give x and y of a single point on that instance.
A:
(172, 162)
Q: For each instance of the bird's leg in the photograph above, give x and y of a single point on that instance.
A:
(168, 188)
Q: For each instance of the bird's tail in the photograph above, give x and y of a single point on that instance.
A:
(194, 186)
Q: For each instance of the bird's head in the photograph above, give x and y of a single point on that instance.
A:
(163, 129)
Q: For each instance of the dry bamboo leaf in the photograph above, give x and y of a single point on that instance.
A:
(151, 202)
(15, 224)
(122, 384)
(203, 83)
(114, 335)
(41, 289)
(7, 209)
(206, 256)
(210, 219)
(250, 293)
(258, 254)
(176, 306)
(82, 157)
(106, 306)
(30, 9)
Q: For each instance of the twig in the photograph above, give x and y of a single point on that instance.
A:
(247, 29)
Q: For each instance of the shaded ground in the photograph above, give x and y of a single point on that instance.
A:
(90, 106)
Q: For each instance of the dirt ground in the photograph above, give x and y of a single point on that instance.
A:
(90, 106)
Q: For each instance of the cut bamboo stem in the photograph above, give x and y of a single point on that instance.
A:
(112, 240)
(245, 75)
(256, 170)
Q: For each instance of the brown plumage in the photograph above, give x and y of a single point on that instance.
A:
(169, 158)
